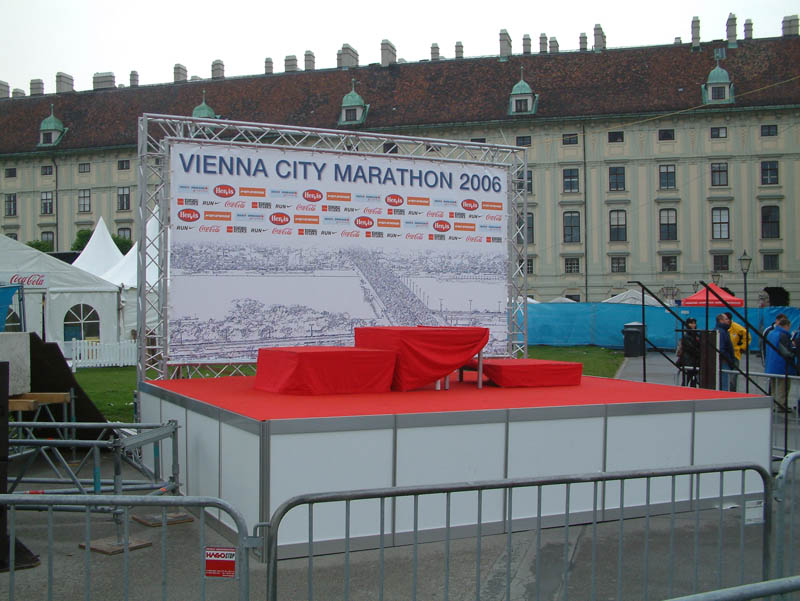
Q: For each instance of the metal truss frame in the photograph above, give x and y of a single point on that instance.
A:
(157, 132)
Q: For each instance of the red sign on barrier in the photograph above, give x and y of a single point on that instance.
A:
(220, 562)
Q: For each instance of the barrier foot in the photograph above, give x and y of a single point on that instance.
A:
(24, 558)
(153, 520)
(113, 546)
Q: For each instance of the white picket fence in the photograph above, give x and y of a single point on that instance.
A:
(102, 354)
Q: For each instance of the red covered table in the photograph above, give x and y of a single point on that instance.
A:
(424, 354)
(514, 373)
(324, 370)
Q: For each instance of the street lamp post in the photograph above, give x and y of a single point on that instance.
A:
(744, 263)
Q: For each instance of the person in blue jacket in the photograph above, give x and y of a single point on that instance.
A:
(726, 358)
(781, 360)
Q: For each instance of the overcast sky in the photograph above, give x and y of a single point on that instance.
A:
(82, 37)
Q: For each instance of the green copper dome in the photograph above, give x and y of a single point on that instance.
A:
(352, 98)
(51, 122)
(521, 87)
(203, 111)
(718, 75)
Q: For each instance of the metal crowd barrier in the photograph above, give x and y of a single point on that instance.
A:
(171, 569)
(662, 554)
(756, 590)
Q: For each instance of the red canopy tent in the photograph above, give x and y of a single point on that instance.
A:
(698, 299)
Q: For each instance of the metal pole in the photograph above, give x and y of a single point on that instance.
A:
(746, 338)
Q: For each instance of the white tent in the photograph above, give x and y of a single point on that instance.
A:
(561, 299)
(633, 297)
(52, 288)
(101, 253)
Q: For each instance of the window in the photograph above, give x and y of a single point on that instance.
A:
(721, 263)
(10, 205)
(666, 177)
(616, 136)
(83, 167)
(528, 183)
(350, 114)
(770, 222)
(390, 148)
(12, 319)
(719, 174)
(523, 140)
(47, 203)
(529, 266)
(571, 180)
(521, 105)
(572, 226)
(12, 235)
(618, 227)
(574, 297)
(47, 170)
(669, 263)
(665, 135)
(618, 265)
(572, 265)
(480, 140)
(769, 131)
(769, 173)
(84, 201)
(720, 224)
(528, 230)
(124, 233)
(616, 179)
(47, 137)
(11, 172)
(81, 323)
(124, 199)
(719, 132)
(49, 237)
(718, 93)
(569, 139)
(123, 165)
(668, 224)
(770, 262)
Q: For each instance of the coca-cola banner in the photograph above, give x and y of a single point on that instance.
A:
(29, 280)
(277, 247)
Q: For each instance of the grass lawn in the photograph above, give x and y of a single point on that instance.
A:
(111, 388)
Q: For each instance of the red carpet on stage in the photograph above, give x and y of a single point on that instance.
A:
(236, 394)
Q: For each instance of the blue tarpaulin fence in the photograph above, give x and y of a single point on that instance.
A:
(6, 296)
(600, 324)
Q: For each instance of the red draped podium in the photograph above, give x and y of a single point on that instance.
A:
(324, 370)
(516, 373)
(424, 354)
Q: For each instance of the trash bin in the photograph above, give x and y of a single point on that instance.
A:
(633, 337)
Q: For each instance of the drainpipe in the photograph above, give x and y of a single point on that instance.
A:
(585, 219)
(56, 237)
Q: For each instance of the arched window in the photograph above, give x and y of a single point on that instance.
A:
(81, 323)
(12, 321)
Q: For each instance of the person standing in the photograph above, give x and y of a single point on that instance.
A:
(765, 333)
(689, 353)
(780, 361)
(740, 338)
(725, 346)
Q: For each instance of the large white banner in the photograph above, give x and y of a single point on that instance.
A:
(280, 247)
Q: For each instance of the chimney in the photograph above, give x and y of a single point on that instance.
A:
(338, 59)
(134, 80)
(583, 42)
(179, 73)
(388, 53)
(290, 64)
(349, 56)
(434, 52)
(790, 25)
(553, 45)
(17, 93)
(459, 50)
(543, 43)
(310, 62)
(730, 30)
(748, 29)
(678, 41)
(695, 33)
(267, 66)
(64, 83)
(37, 87)
(505, 43)
(599, 38)
(217, 69)
(103, 80)
(526, 44)
(195, 78)
(3, 89)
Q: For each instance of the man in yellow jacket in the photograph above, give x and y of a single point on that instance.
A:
(740, 338)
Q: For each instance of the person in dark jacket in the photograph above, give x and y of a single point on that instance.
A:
(726, 358)
(780, 360)
(689, 353)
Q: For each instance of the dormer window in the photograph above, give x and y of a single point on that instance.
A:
(718, 93)
(522, 100)
(51, 130)
(521, 105)
(354, 110)
(47, 137)
(718, 89)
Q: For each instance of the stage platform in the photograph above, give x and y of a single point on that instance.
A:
(257, 449)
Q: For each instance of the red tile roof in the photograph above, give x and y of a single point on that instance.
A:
(570, 84)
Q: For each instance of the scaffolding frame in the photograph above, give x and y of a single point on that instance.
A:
(156, 134)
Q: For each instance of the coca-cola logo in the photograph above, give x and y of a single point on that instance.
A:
(302, 207)
(364, 222)
(493, 218)
(350, 234)
(394, 200)
(435, 214)
(474, 238)
(312, 195)
(469, 204)
(235, 204)
(279, 218)
(414, 236)
(34, 279)
(441, 226)
(373, 211)
(286, 231)
(188, 215)
(210, 228)
(224, 191)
